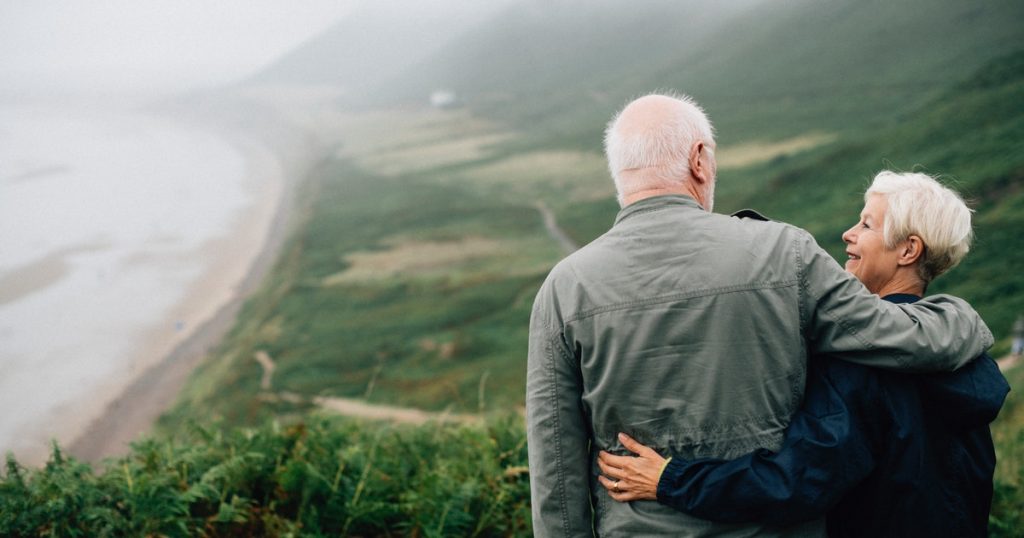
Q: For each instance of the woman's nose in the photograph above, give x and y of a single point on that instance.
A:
(848, 235)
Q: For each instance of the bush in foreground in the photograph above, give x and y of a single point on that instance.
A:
(321, 478)
(331, 477)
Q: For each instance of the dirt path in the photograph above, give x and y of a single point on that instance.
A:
(407, 415)
(1008, 362)
(568, 245)
(351, 407)
(355, 408)
(268, 368)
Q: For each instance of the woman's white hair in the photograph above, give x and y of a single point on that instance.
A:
(919, 205)
(661, 147)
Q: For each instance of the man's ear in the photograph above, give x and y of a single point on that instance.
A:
(698, 170)
(911, 250)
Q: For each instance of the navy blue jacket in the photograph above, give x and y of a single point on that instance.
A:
(881, 453)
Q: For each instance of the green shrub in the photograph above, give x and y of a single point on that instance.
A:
(324, 477)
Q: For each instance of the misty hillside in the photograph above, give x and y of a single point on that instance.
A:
(375, 41)
(762, 69)
(539, 48)
(522, 47)
(839, 64)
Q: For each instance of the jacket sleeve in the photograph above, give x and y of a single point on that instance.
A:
(558, 442)
(827, 450)
(840, 317)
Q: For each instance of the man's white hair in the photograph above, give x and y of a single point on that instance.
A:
(919, 205)
(662, 147)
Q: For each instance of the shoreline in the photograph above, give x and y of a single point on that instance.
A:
(141, 399)
(148, 395)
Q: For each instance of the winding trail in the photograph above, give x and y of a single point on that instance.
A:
(551, 224)
(267, 363)
(356, 408)
(351, 407)
(407, 415)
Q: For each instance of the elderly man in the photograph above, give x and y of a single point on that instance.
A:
(689, 331)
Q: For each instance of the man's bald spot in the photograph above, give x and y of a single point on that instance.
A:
(646, 114)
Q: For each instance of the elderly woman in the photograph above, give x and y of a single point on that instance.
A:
(880, 453)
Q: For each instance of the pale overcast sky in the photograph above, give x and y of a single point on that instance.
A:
(151, 44)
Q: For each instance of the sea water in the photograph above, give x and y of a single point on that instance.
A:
(104, 214)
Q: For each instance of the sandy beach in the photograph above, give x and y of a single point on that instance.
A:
(237, 265)
(283, 142)
(279, 146)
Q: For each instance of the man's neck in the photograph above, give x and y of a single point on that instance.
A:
(684, 190)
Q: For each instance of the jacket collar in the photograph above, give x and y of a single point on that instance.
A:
(901, 298)
(655, 203)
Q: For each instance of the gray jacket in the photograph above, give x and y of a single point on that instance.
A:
(690, 331)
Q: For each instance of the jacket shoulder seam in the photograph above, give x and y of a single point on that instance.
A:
(583, 314)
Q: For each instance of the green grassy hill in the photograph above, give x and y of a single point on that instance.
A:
(761, 69)
(842, 65)
(374, 41)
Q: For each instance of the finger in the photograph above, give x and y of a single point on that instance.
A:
(623, 496)
(633, 446)
(610, 471)
(608, 484)
(617, 461)
(619, 494)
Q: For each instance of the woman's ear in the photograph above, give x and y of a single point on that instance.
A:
(911, 250)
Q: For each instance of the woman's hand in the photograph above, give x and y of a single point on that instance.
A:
(631, 478)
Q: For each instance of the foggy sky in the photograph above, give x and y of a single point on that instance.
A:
(143, 45)
(173, 45)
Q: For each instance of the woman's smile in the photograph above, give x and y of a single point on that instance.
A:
(852, 259)
(868, 258)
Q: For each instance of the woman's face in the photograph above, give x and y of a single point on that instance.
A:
(869, 260)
